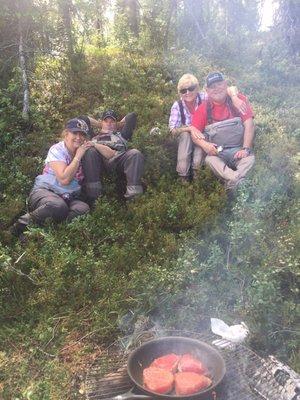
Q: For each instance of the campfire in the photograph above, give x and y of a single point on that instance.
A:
(248, 376)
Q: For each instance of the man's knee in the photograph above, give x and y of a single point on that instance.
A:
(251, 159)
(92, 162)
(246, 163)
(134, 153)
(90, 153)
(134, 159)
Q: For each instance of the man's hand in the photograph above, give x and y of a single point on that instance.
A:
(95, 123)
(209, 148)
(241, 154)
(120, 124)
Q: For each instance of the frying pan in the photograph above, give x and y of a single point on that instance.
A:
(143, 356)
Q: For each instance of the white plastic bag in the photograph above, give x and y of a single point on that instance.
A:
(233, 333)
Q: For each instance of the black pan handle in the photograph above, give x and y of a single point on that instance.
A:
(132, 396)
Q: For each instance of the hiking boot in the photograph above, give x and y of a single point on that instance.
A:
(133, 191)
(196, 174)
(20, 226)
(184, 180)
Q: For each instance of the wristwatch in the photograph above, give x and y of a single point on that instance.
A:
(247, 150)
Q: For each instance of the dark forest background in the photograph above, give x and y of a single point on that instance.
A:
(178, 255)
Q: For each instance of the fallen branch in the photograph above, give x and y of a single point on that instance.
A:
(79, 340)
(18, 271)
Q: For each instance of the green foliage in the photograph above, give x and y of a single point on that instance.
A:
(179, 254)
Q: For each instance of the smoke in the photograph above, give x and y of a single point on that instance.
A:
(214, 270)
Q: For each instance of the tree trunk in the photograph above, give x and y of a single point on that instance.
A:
(25, 111)
(130, 8)
(172, 9)
(99, 25)
(134, 16)
(196, 21)
(65, 8)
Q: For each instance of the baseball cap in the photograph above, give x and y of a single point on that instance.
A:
(86, 119)
(77, 125)
(214, 77)
(109, 114)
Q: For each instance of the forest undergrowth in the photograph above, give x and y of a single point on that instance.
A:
(178, 255)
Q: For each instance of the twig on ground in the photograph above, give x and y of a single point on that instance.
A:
(79, 340)
(19, 258)
(53, 335)
(47, 354)
(283, 330)
(242, 289)
(18, 271)
(228, 256)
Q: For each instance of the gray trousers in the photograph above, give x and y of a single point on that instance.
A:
(95, 165)
(231, 177)
(44, 204)
(189, 156)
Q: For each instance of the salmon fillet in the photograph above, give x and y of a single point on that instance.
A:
(188, 363)
(169, 362)
(158, 380)
(189, 383)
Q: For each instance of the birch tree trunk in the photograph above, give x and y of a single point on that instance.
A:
(25, 111)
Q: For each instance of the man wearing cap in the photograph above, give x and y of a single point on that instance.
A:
(111, 153)
(189, 156)
(224, 133)
(56, 193)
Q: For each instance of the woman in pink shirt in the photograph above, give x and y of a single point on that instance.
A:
(56, 192)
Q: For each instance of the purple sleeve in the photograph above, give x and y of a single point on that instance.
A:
(175, 117)
(203, 96)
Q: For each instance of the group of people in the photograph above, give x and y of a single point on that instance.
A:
(215, 127)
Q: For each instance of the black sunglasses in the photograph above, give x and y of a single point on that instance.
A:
(189, 89)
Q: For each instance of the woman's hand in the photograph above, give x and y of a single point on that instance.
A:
(196, 134)
(82, 149)
(239, 104)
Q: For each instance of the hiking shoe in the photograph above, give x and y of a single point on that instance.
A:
(130, 199)
(133, 191)
(17, 229)
(21, 225)
(196, 174)
(184, 180)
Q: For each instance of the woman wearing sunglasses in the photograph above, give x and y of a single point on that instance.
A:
(189, 156)
(56, 192)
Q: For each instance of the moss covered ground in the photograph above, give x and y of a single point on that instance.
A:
(177, 255)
